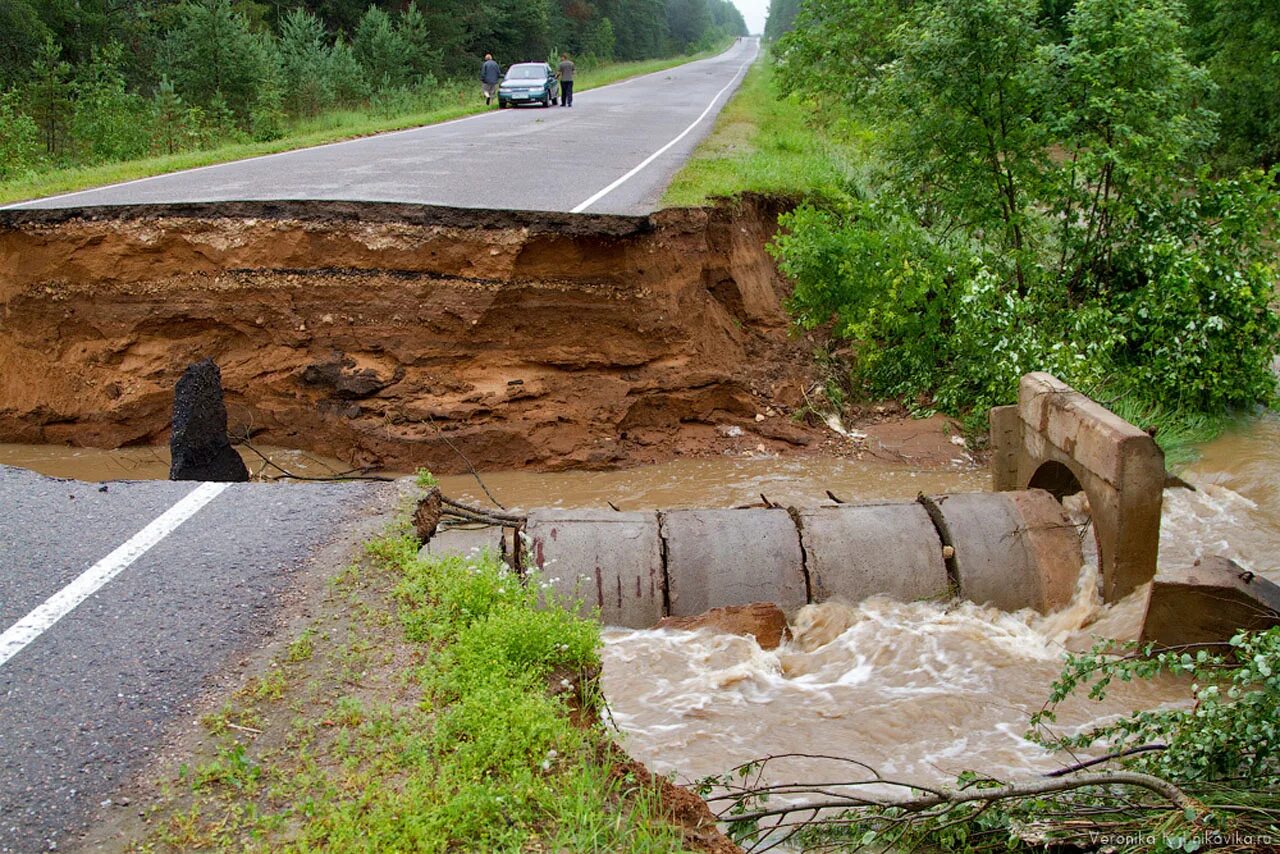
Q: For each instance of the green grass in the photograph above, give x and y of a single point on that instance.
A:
(441, 734)
(453, 100)
(761, 144)
(1179, 434)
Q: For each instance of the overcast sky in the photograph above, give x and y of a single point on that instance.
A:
(755, 11)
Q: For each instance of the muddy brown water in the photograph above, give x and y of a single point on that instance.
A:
(152, 462)
(921, 690)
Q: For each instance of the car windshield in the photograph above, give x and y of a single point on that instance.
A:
(526, 72)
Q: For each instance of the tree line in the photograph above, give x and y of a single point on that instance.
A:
(1236, 43)
(1084, 187)
(91, 81)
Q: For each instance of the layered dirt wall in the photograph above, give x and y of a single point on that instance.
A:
(394, 335)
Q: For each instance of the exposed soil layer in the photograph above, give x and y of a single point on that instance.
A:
(404, 336)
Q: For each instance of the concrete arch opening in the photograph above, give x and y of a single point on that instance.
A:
(1056, 479)
(1060, 481)
(1056, 438)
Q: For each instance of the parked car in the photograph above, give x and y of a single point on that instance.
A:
(529, 83)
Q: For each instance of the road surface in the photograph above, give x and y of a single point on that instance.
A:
(119, 603)
(85, 698)
(614, 151)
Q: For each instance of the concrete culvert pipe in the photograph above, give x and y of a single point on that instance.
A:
(732, 557)
(1013, 550)
(855, 551)
(605, 559)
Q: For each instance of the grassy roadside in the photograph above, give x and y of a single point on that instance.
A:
(431, 707)
(761, 144)
(456, 100)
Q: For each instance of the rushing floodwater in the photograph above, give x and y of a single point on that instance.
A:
(921, 691)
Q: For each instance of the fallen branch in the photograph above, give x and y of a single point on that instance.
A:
(1089, 763)
(955, 797)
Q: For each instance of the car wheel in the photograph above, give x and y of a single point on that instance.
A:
(546, 99)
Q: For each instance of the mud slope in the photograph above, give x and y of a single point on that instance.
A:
(391, 335)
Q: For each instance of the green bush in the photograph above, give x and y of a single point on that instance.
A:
(1199, 322)
(108, 122)
(19, 140)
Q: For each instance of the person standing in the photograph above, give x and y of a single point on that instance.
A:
(565, 75)
(489, 76)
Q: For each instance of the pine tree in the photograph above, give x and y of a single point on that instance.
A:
(424, 61)
(381, 50)
(305, 63)
(213, 52)
(168, 118)
(49, 96)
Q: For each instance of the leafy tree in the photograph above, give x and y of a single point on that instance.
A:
(1039, 207)
(782, 18)
(687, 22)
(19, 139)
(639, 26)
(21, 35)
(960, 113)
(726, 20)
(1240, 43)
(1127, 116)
(840, 49)
(108, 122)
(600, 41)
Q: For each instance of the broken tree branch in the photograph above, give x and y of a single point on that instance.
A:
(954, 797)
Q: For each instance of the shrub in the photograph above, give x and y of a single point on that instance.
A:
(19, 140)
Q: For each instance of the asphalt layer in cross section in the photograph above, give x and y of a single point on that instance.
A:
(614, 151)
(86, 701)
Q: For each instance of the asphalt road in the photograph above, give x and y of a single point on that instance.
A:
(614, 151)
(84, 703)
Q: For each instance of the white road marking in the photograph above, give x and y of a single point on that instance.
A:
(57, 606)
(652, 157)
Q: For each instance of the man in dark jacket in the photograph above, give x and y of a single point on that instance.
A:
(565, 74)
(489, 76)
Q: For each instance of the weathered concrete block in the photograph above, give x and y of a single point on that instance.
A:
(1053, 546)
(611, 561)
(464, 542)
(763, 621)
(855, 551)
(732, 557)
(1208, 603)
(1006, 430)
(1012, 550)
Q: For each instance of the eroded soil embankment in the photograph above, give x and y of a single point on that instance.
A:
(400, 336)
